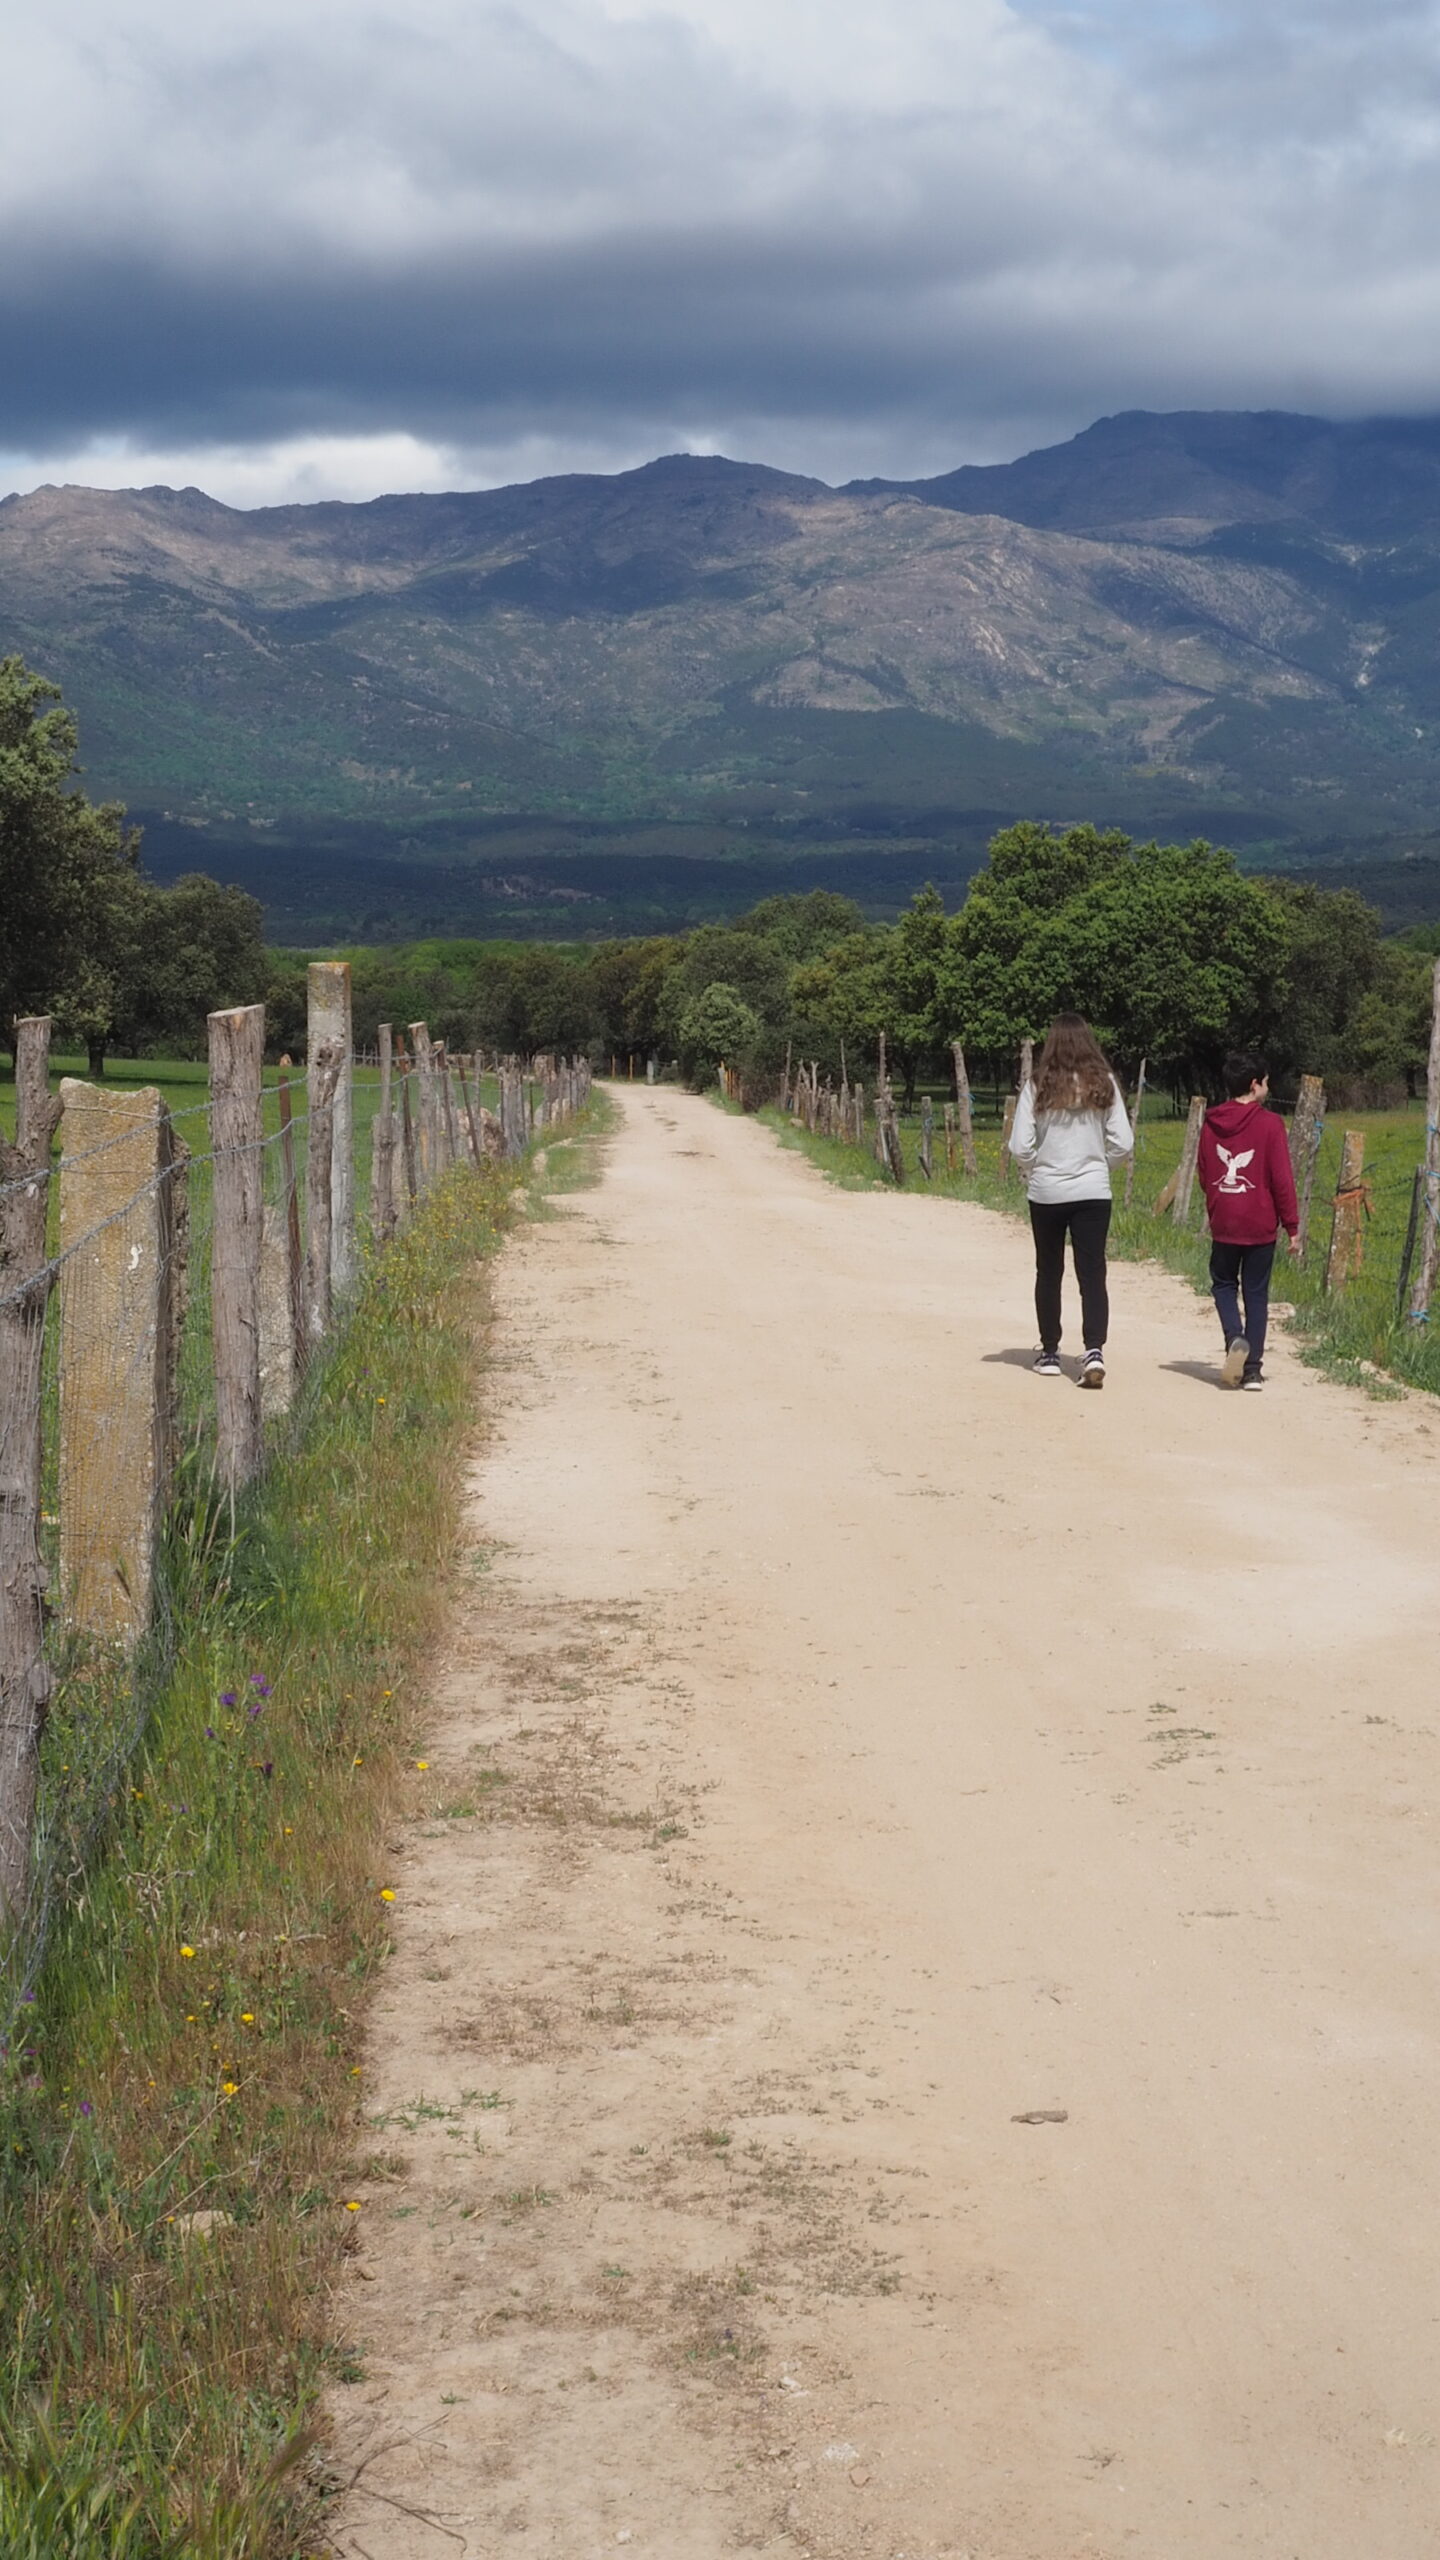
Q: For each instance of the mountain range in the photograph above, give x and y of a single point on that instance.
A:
(592, 702)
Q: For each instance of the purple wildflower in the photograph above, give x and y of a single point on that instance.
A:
(259, 1681)
(209, 1733)
(85, 2107)
(267, 1768)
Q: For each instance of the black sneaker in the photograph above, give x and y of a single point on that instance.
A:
(1092, 1369)
(1237, 1354)
(1046, 1365)
(1252, 1382)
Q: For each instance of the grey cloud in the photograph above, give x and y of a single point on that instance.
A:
(487, 224)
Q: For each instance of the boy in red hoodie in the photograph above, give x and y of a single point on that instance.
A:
(1250, 1193)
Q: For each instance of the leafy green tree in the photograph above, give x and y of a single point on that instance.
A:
(1167, 949)
(67, 868)
(200, 948)
(717, 1024)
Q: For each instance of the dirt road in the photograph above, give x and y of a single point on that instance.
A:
(914, 2021)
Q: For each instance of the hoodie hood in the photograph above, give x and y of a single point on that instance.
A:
(1227, 1119)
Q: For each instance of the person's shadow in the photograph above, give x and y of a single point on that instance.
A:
(1010, 1359)
(1204, 1370)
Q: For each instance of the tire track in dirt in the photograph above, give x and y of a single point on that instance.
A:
(848, 1747)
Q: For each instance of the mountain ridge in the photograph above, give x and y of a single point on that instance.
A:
(1222, 611)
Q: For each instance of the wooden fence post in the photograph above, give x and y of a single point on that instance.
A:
(963, 1112)
(1422, 1287)
(949, 1137)
(384, 1138)
(1136, 1108)
(237, 1051)
(1179, 1190)
(325, 1070)
(116, 1398)
(426, 1150)
(24, 1292)
(1307, 1127)
(328, 1022)
(294, 1255)
(1352, 1207)
(1007, 1161)
(927, 1135)
(407, 1134)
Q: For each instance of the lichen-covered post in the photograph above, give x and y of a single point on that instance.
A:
(24, 1294)
(115, 1350)
(237, 1051)
(383, 1137)
(1189, 1158)
(1352, 1203)
(426, 1151)
(328, 1025)
(964, 1115)
(1135, 1134)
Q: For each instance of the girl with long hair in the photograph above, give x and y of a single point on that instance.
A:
(1070, 1127)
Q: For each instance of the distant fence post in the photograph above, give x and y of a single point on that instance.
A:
(1307, 1127)
(1352, 1204)
(24, 1291)
(328, 1021)
(964, 1116)
(384, 1139)
(325, 1065)
(407, 1133)
(425, 1140)
(237, 1050)
(1007, 1161)
(1135, 1111)
(1179, 1190)
(294, 1251)
(447, 1096)
(927, 1136)
(115, 1351)
(1423, 1286)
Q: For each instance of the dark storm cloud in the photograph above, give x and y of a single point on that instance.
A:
(565, 219)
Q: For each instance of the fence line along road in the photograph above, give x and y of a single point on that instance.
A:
(194, 1274)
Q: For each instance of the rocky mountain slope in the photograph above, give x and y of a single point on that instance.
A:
(1226, 620)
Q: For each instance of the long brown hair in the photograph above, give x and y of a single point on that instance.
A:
(1072, 1072)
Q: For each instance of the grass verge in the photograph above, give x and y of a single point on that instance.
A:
(179, 2111)
(1352, 1336)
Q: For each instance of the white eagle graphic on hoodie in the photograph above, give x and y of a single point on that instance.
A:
(1233, 1178)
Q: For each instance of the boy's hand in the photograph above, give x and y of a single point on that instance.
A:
(1294, 1244)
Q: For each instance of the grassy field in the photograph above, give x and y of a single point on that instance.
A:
(1352, 1334)
(183, 2108)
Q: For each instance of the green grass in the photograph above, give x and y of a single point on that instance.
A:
(1338, 1333)
(193, 2047)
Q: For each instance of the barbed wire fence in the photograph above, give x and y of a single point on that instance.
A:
(166, 1281)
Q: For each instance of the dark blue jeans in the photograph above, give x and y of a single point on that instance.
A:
(1237, 1269)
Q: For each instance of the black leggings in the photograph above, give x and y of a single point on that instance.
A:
(1087, 1223)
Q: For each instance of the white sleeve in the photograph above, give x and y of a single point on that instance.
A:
(1024, 1138)
(1119, 1136)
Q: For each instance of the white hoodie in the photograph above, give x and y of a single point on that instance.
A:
(1067, 1155)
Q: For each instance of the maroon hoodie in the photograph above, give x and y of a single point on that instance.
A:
(1245, 1173)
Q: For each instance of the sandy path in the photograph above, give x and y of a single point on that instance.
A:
(857, 1744)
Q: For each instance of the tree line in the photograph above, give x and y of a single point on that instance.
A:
(1172, 952)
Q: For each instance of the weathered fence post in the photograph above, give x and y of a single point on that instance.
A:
(24, 1291)
(328, 1021)
(384, 1207)
(1352, 1207)
(1135, 1111)
(927, 1135)
(1423, 1286)
(325, 1064)
(116, 1345)
(963, 1113)
(1178, 1191)
(1307, 1128)
(294, 1254)
(407, 1133)
(1027, 1063)
(1007, 1161)
(426, 1149)
(949, 1137)
(237, 1051)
